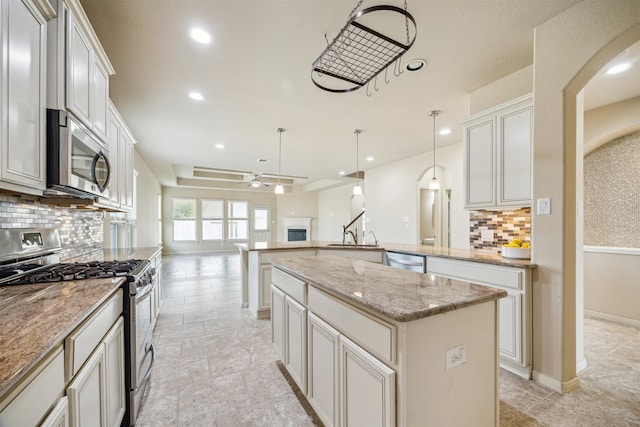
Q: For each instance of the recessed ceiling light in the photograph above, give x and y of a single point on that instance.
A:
(370, 159)
(415, 65)
(261, 160)
(200, 35)
(219, 146)
(445, 131)
(196, 96)
(618, 68)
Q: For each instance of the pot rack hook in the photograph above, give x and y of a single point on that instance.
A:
(375, 84)
(368, 93)
(395, 68)
(385, 75)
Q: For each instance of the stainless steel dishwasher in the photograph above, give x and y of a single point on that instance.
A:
(407, 261)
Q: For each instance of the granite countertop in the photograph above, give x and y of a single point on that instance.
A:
(36, 318)
(397, 294)
(486, 257)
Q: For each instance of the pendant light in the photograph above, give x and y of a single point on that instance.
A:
(357, 190)
(434, 184)
(279, 187)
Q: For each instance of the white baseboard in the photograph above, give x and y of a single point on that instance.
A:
(613, 318)
(552, 383)
(581, 365)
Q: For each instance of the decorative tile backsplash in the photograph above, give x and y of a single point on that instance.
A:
(505, 225)
(612, 193)
(81, 231)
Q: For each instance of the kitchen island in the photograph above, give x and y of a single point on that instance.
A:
(371, 345)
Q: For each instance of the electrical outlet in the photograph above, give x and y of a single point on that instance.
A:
(486, 235)
(456, 356)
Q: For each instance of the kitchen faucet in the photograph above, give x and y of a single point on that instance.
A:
(374, 237)
(345, 232)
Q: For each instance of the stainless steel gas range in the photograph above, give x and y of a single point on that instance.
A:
(31, 256)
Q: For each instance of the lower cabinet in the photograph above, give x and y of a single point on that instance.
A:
(59, 416)
(344, 383)
(97, 392)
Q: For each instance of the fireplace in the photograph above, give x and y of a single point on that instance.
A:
(297, 229)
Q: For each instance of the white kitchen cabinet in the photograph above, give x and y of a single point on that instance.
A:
(79, 67)
(36, 394)
(22, 107)
(113, 144)
(125, 170)
(515, 309)
(277, 321)
(115, 397)
(497, 161)
(59, 416)
(367, 388)
(87, 393)
(295, 342)
(259, 278)
(323, 369)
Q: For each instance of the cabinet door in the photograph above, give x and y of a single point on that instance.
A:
(59, 416)
(514, 155)
(87, 393)
(295, 343)
(479, 163)
(114, 374)
(264, 285)
(511, 327)
(113, 143)
(99, 98)
(125, 168)
(322, 365)
(277, 321)
(367, 388)
(79, 67)
(22, 107)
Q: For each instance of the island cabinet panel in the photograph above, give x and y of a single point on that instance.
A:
(515, 308)
(323, 364)
(59, 416)
(367, 388)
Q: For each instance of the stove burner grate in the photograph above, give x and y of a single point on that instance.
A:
(78, 271)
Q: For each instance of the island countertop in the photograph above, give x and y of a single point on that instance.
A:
(397, 294)
(473, 255)
(36, 318)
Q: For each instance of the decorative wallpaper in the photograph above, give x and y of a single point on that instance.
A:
(612, 193)
(505, 224)
(81, 231)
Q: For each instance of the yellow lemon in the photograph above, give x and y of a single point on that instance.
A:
(525, 245)
(516, 241)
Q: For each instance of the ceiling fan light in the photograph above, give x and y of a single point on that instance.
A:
(279, 189)
(255, 183)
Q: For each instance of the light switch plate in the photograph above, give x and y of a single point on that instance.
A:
(456, 356)
(544, 206)
(486, 235)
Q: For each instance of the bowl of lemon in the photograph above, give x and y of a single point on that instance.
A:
(517, 249)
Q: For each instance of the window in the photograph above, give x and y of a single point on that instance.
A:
(238, 220)
(212, 219)
(184, 219)
(261, 219)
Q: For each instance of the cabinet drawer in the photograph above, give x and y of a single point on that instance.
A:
(373, 334)
(485, 274)
(81, 342)
(289, 285)
(42, 389)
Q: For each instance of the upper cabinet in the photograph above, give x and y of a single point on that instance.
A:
(497, 162)
(22, 104)
(78, 68)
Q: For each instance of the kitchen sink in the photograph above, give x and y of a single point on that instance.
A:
(353, 245)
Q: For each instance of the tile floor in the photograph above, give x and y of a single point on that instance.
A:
(215, 366)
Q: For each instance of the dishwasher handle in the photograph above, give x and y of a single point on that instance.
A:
(403, 262)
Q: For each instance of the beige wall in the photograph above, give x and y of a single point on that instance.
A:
(510, 87)
(603, 124)
(392, 197)
(334, 209)
(147, 230)
(297, 204)
(568, 50)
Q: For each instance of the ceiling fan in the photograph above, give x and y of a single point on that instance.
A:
(256, 183)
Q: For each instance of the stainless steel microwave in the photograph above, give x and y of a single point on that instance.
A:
(77, 162)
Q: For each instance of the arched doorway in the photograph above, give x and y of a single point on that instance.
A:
(434, 208)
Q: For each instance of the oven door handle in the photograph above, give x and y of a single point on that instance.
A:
(143, 294)
(144, 379)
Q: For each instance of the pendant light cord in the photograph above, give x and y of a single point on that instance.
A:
(280, 130)
(357, 132)
(433, 114)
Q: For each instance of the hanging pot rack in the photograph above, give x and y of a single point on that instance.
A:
(359, 53)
